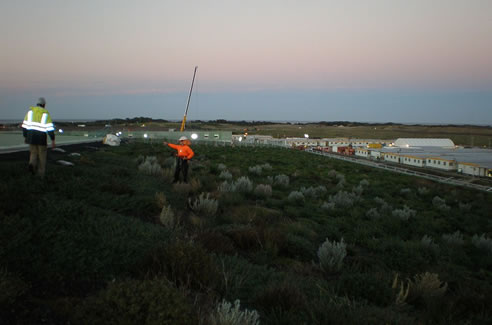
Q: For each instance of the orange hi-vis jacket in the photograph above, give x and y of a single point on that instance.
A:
(183, 151)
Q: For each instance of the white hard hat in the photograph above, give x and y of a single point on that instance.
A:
(183, 138)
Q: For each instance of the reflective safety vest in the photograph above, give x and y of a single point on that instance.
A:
(183, 151)
(38, 119)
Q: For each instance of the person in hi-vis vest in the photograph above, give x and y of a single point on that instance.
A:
(36, 125)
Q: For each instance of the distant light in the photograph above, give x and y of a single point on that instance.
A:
(240, 139)
(407, 145)
(194, 136)
(60, 131)
(306, 135)
(146, 135)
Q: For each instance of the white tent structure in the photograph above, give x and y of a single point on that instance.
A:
(423, 142)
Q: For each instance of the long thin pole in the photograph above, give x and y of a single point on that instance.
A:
(188, 104)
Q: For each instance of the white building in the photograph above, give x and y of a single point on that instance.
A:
(441, 163)
(361, 152)
(423, 142)
(412, 160)
(474, 169)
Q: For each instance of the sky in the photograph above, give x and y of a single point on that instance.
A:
(416, 61)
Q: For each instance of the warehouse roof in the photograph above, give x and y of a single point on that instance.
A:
(424, 142)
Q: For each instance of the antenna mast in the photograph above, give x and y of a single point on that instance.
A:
(188, 104)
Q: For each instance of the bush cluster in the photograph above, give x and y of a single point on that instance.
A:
(331, 255)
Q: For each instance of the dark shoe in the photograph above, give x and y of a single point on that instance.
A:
(31, 169)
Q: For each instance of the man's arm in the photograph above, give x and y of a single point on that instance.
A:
(52, 137)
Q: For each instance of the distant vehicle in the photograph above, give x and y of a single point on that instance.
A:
(81, 125)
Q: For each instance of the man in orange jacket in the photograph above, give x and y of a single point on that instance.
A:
(182, 156)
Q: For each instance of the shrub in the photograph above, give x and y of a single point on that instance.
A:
(455, 238)
(440, 203)
(344, 199)
(168, 218)
(184, 263)
(405, 191)
(404, 214)
(221, 167)
(295, 197)
(428, 243)
(373, 213)
(150, 167)
(227, 314)
(331, 255)
(227, 187)
(358, 190)
(482, 242)
(263, 190)
(313, 192)
(266, 166)
(243, 185)
(135, 302)
(161, 199)
(328, 206)
(169, 162)
(182, 189)
(364, 182)
(255, 170)
(423, 190)
(281, 180)
(426, 285)
(225, 175)
(204, 205)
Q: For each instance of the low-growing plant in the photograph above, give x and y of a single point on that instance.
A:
(182, 189)
(266, 166)
(344, 199)
(226, 175)
(228, 314)
(358, 190)
(168, 218)
(296, 197)
(364, 182)
(428, 243)
(255, 170)
(150, 166)
(263, 190)
(313, 191)
(203, 205)
(373, 213)
(482, 242)
(404, 214)
(455, 239)
(423, 191)
(160, 199)
(401, 292)
(440, 203)
(243, 185)
(428, 286)
(405, 191)
(153, 301)
(281, 180)
(221, 167)
(331, 255)
(328, 206)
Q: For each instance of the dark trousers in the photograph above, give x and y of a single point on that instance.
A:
(181, 165)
